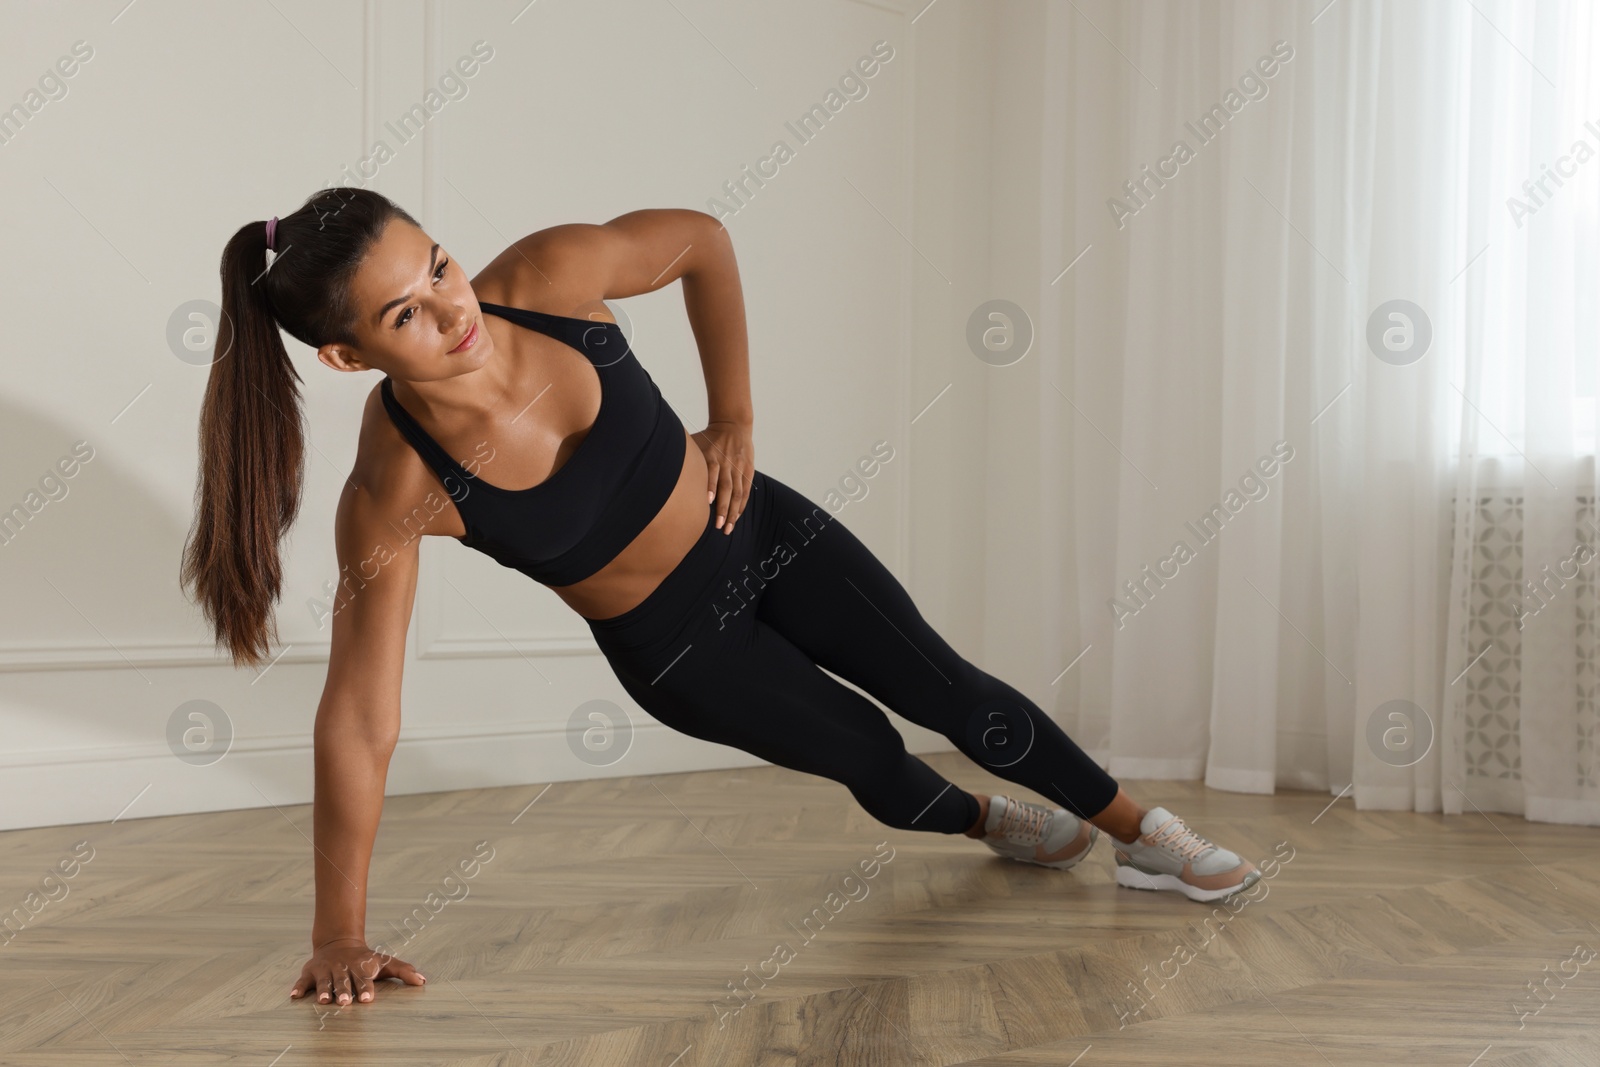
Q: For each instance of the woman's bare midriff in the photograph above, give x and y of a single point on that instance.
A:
(637, 570)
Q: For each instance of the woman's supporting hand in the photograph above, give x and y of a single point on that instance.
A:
(730, 453)
(347, 969)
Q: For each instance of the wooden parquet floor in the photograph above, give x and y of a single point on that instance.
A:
(608, 922)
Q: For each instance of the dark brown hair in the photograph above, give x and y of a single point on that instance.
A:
(252, 444)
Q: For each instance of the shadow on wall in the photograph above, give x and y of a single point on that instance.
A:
(79, 538)
(89, 561)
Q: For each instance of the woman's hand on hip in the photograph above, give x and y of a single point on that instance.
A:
(730, 453)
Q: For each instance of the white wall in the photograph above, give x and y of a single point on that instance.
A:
(860, 260)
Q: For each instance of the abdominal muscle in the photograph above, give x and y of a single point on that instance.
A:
(634, 574)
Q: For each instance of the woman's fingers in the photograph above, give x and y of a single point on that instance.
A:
(741, 494)
(403, 971)
(711, 469)
(725, 510)
(728, 476)
(341, 985)
(351, 975)
(712, 466)
(738, 491)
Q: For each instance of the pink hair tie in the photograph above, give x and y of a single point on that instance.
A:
(272, 228)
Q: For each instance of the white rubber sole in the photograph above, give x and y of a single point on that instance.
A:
(1134, 878)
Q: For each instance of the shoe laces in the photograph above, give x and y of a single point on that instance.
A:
(1024, 822)
(1174, 835)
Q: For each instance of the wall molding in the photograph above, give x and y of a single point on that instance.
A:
(15, 658)
(296, 743)
(468, 647)
(149, 654)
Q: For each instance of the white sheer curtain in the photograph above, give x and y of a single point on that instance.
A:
(1377, 514)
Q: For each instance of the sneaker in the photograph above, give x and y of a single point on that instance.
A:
(1169, 855)
(1035, 834)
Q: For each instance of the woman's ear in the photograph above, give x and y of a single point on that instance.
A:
(341, 357)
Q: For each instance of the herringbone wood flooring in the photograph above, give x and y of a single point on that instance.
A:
(604, 924)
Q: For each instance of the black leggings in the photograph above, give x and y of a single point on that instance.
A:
(730, 648)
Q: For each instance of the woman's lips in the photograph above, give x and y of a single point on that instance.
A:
(468, 341)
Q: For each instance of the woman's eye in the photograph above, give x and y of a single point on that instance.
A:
(405, 316)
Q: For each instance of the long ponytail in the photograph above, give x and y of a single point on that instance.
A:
(251, 436)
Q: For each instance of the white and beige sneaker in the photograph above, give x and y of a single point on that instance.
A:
(1169, 855)
(1032, 833)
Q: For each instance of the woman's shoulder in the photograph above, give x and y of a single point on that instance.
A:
(560, 270)
(390, 487)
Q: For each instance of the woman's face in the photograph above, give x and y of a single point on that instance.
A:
(414, 308)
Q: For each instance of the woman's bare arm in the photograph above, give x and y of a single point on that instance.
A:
(358, 719)
(358, 723)
(640, 252)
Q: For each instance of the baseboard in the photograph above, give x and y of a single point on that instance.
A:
(114, 783)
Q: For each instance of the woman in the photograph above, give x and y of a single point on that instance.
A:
(513, 417)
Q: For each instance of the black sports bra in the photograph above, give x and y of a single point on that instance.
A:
(577, 520)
